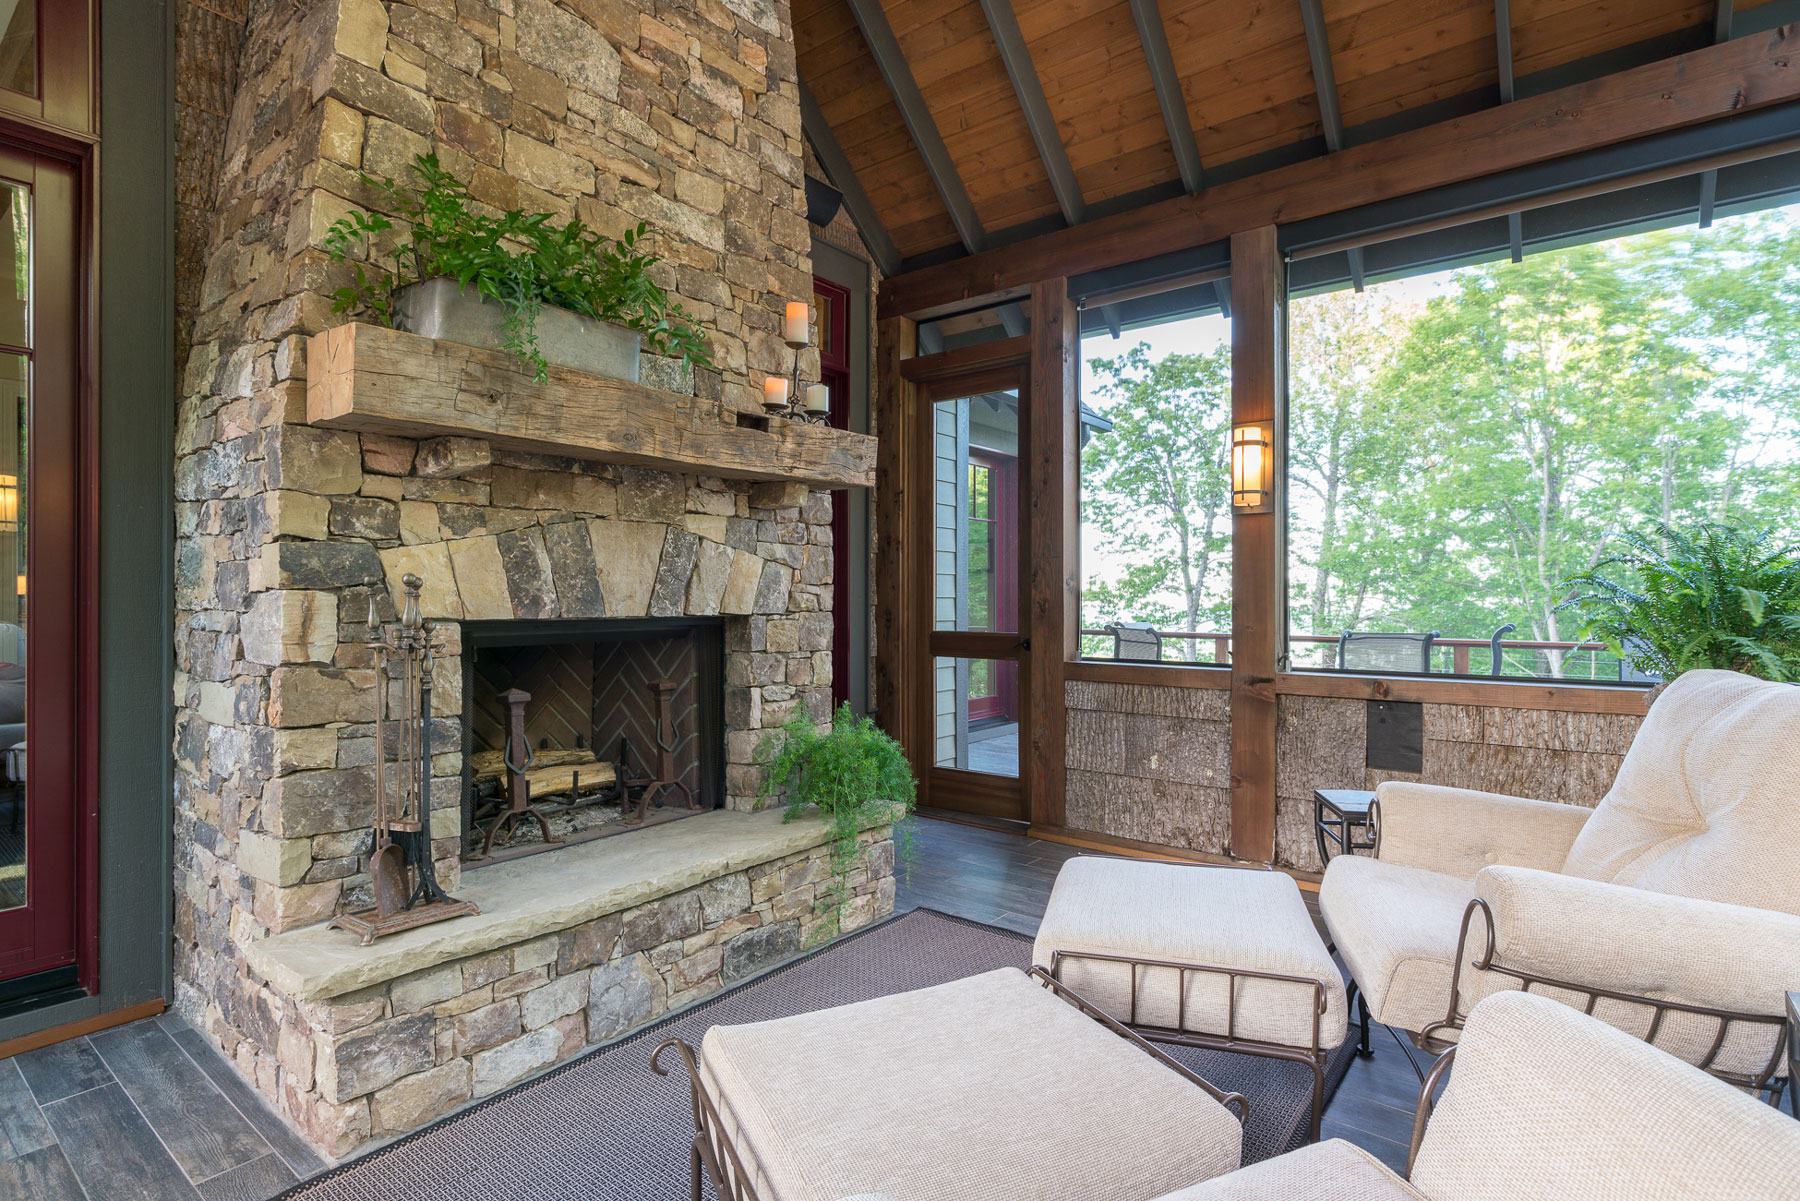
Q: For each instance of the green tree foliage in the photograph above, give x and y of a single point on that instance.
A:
(1462, 451)
(1157, 488)
(1495, 436)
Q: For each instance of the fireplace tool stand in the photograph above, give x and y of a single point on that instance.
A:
(668, 777)
(403, 876)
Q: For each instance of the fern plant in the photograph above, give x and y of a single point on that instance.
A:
(854, 774)
(520, 260)
(1672, 600)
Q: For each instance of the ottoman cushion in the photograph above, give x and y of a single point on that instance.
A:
(1330, 1171)
(1207, 916)
(989, 1087)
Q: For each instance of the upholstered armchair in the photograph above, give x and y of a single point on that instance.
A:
(1671, 910)
(1547, 1104)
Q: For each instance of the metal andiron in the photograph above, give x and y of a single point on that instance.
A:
(401, 872)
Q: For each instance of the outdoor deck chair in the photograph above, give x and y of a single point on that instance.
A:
(1384, 652)
(1136, 642)
(1672, 910)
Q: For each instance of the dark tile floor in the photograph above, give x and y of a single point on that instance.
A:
(145, 1112)
(150, 1112)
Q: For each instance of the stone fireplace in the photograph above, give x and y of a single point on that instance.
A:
(603, 727)
(289, 531)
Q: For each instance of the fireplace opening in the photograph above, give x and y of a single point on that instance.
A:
(583, 730)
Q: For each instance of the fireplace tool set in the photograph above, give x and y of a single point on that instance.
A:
(402, 874)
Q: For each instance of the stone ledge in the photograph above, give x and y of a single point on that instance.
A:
(526, 898)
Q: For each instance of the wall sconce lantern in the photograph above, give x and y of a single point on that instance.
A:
(1252, 449)
(9, 502)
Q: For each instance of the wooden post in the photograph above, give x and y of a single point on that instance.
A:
(1050, 534)
(897, 339)
(1258, 393)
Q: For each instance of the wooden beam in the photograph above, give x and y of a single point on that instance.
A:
(1155, 38)
(1503, 50)
(377, 380)
(1709, 180)
(1318, 49)
(961, 360)
(1003, 23)
(1716, 81)
(1051, 535)
(1168, 675)
(1545, 695)
(916, 116)
(1258, 289)
(1331, 113)
(837, 165)
(895, 399)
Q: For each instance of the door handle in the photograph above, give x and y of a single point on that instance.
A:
(1023, 646)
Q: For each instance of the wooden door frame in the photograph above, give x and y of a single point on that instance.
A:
(1049, 359)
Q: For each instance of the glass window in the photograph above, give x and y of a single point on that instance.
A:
(977, 521)
(1156, 493)
(977, 715)
(18, 46)
(15, 392)
(1465, 443)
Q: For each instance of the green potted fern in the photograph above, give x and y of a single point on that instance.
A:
(853, 775)
(1671, 600)
(520, 282)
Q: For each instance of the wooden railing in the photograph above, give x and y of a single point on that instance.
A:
(1459, 648)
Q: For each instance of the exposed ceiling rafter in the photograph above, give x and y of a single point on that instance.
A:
(1331, 114)
(916, 116)
(1155, 37)
(1509, 91)
(1029, 89)
(1709, 181)
(843, 177)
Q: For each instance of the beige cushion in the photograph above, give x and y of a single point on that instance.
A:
(1707, 803)
(1459, 831)
(987, 1087)
(1328, 1171)
(1649, 944)
(1547, 1103)
(1209, 916)
(1396, 928)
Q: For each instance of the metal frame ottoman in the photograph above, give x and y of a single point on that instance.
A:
(1000, 1086)
(1200, 955)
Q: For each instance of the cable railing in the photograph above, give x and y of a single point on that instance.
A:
(1521, 658)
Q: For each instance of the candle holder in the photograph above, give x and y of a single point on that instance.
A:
(796, 330)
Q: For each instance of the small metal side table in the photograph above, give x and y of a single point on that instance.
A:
(1793, 1053)
(1337, 814)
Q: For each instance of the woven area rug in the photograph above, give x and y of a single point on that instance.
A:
(603, 1126)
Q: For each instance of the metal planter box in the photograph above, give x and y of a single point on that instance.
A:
(440, 308)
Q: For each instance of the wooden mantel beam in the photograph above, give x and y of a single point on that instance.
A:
(1715, 81)
(376, 380)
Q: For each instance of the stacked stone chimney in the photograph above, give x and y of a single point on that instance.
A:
(681, 114)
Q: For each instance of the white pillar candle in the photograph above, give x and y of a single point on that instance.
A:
(775, 393)
(818, 398)
(794, 327)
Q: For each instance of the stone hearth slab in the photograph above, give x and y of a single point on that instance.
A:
(527, 898)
